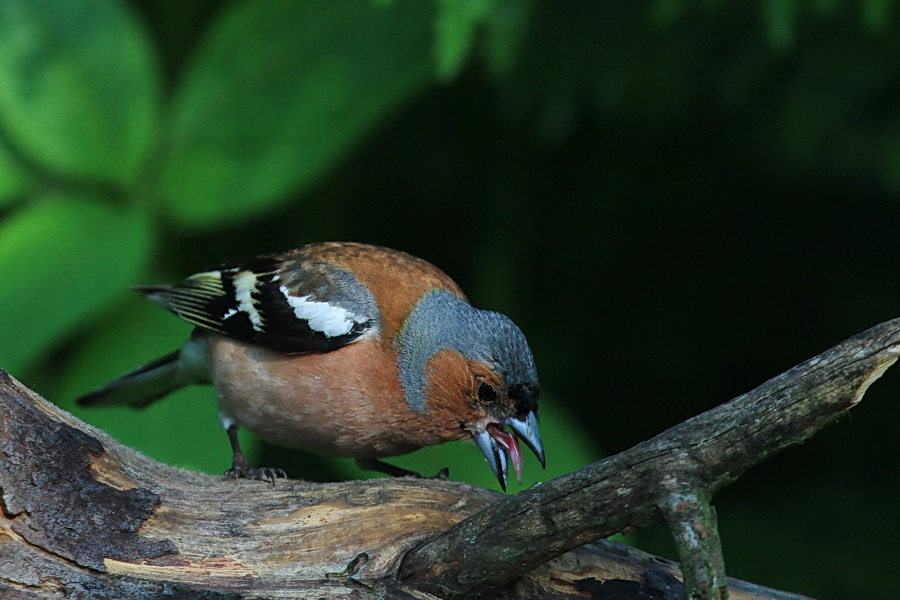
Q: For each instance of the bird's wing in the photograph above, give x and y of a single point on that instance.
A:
(292, 304)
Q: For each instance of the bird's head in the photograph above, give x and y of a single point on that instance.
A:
(474, 369)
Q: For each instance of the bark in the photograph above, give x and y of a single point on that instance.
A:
(671, 476)
(85, 517)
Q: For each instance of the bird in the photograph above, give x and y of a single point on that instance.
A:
(345, 349)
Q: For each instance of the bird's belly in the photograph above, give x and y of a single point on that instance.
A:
(347, 402)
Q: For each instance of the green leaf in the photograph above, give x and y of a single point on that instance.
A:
(281, 92)
(62, 260)
(455, 28)
(12, 178)
(78, 86)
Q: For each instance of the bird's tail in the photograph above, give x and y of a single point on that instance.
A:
(140, 387)
(151, 382)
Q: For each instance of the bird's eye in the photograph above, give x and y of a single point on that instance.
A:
(486, 393)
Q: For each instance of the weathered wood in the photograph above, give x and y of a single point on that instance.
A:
(625, 491)
(84, 515)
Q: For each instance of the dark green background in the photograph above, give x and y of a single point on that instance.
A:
(676, 200)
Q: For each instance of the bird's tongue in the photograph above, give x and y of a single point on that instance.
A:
(510, 443)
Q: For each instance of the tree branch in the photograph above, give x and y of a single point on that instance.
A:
(686, 464)
(78, 511)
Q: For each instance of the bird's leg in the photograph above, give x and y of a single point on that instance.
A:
(241, 467)
(373, 464)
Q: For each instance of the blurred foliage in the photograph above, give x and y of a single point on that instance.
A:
(676, 199)
(263, 111)
(78, 87)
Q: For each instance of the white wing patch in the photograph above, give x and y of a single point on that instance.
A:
(244, 285)
(331, 320)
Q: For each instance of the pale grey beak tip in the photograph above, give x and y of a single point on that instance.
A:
(528, 431)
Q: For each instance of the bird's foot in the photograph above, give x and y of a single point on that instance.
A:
(241, 469)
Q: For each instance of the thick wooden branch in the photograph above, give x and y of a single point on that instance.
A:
(687, 463)
(79, 512)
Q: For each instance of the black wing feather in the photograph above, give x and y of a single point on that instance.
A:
(223, 301)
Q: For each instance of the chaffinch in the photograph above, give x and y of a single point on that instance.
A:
(345, 349)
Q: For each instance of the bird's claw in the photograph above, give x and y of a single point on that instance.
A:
(241, 469)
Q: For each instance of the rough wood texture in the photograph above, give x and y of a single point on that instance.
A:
(84, 516)
(626, 491)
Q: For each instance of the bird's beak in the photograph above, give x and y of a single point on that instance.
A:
(495, 443)
(527, 430)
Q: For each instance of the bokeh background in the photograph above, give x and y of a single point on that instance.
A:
(675, 199)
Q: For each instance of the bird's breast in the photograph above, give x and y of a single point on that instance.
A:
(347, 402)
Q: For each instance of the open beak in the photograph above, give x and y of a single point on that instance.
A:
(495, 443)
